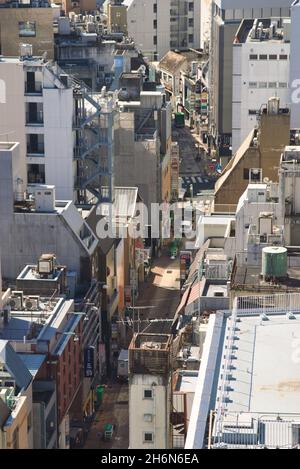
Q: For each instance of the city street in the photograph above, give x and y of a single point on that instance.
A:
(161, 291)
(114, 410)
(193, 166)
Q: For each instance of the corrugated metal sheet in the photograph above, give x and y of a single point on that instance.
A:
(14, 365)
(32, 361)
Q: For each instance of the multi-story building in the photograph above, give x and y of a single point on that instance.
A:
(143, 139)
(150, 390)
(16, 414)
(226, 18)
(117, 16)
(63, 129)
(261, 52)
(48, 225)
(43, 123)
(158, 26)
(261, 149)
(83, 50)
(29, 22)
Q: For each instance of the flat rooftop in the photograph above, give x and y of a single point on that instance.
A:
(30, 273)
(186, 381)
(248, 278)
(214, 290)
(151, 341)
(249, 378)
(263, 33)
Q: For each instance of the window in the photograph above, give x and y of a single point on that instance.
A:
(148, 437)
(35, 144)
(252, 84)
(282, 85)
(148, 394)
(283, 57)
(253, 56)
(154, 24)
(155, 8)
(148, 418)
(273, 57)
(36, 173)
(34, 113)
(252, 112)
(246, 174)
(191, 22)
(191, 6)
(272, 84)
(191, 38)
(263, 57)
(27, 29)
(263, 84)
(155, 40)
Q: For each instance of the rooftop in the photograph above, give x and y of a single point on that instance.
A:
(172, 62)
(151, 341)
(248, 278)
(186, 381)
(261, 31)
(250, 371)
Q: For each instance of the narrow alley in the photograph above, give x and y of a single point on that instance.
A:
(161, 292)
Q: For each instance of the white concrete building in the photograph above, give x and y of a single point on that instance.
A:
(160, 25)
(37, 111)
(150, 390)
(261, 51)
(226, 17)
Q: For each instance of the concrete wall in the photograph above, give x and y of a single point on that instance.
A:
(117, 18)
(58, 137)
(136, 163)
(12, 114)
(9, 31)
(158, 407)
(57, 126)
(247, 72)
(20, 418)
(273, 137)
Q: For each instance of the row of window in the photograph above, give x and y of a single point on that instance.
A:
(265, 84)
(266, 57)
(174, 44)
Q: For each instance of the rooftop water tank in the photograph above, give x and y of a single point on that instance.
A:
(274, 262)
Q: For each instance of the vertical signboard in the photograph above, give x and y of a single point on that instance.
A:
(89, 361)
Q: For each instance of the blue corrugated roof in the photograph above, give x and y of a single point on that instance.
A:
(32, 361)
(14, 365)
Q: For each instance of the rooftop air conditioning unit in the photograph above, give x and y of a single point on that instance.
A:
(16, 303)
(32, 303)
